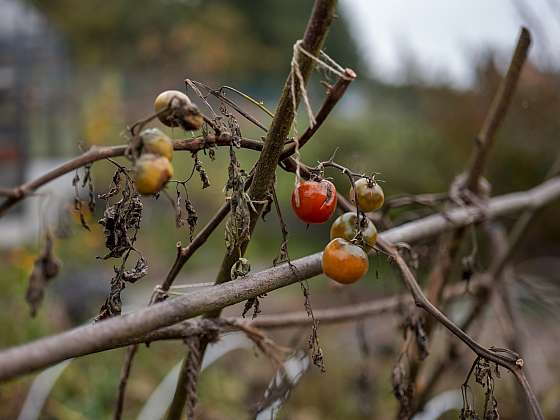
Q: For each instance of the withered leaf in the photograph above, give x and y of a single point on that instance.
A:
(45, 268)
(121, 223)
(201, 172)
(113, 303)
(139, 271)
(240, 268)
(115, 187)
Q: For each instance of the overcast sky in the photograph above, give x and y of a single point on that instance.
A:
(443, 36)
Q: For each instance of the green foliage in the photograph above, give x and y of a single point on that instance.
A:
(209, 39)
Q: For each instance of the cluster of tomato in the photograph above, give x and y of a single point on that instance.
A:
(344, 259)
(153, 168)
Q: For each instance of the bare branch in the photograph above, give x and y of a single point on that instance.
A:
(487, 135)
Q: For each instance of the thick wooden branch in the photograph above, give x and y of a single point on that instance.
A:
(118, 332)
(327, 316)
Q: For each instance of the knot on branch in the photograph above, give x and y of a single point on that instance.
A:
(17, 193)
(461, 194)
(45, 268)
(207, 329)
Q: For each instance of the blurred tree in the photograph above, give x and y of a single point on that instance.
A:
(216, 39)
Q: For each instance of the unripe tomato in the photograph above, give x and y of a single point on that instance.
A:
(175, 109)
(344, 262)
(152, 173)
(157, 142)
(370, 194)
(345, 227)
(314, 201)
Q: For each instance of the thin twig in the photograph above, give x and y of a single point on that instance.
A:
(258, 104)
(333, 96)
(496, 274)
(228, 101)
(125, 373)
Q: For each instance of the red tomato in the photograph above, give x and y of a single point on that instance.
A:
(317, 201)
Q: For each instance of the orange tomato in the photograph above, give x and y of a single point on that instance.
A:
(314, 201)
(344, 262)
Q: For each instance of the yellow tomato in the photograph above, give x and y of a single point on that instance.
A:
(157, 142)
(152, 173)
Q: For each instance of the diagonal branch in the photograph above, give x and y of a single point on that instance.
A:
(485, 140)
(497, 112)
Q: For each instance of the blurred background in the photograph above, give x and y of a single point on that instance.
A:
(76, 74)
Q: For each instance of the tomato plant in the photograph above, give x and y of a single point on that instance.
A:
(314, 201)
